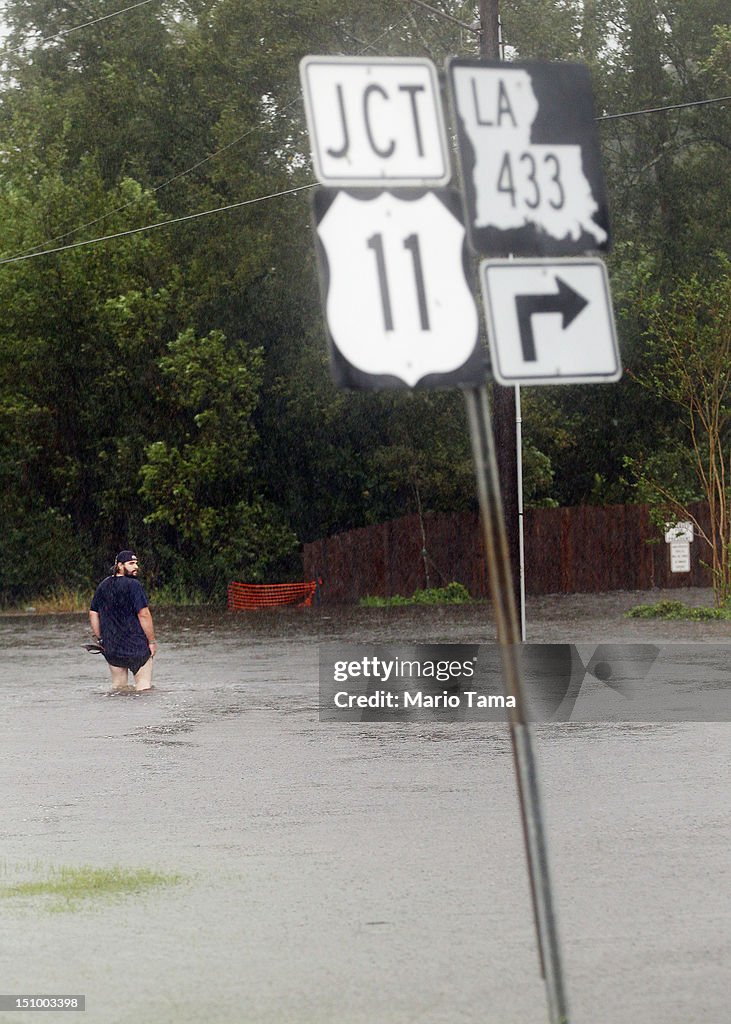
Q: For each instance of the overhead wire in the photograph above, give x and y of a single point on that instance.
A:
(59, 35)
(31, 254)
(76, 28)
(475, 29)
(158, 224)
(175, 177)
(658, 110)
(278, 195)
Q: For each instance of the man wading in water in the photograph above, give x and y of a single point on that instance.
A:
(122, 624)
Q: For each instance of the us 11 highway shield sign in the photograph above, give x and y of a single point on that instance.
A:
(393, 272)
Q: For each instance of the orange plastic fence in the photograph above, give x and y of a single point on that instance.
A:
(249, 596)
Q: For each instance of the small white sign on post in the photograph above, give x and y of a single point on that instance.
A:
(679, 536)
(679, 531)
(679, 556)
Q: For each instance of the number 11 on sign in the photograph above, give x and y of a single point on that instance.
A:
(397, 302)
(411, 243)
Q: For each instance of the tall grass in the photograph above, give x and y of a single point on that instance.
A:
(179, 595)
(674, 610)
(54, 602)
(60, 600)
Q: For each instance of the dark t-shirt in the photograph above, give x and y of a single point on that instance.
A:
(118, 599)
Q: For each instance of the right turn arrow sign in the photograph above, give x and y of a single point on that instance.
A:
(549, 321)
(565, 301)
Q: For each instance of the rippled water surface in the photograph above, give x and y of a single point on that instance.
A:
(356, 872)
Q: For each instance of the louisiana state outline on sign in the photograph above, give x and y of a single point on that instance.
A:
(530, 158)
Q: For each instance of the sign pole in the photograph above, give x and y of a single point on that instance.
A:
(504, 410)
(521, 518)
(509, 638)
(400, 311)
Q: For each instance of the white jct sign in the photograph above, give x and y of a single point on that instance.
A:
(397, 301)
(375, 121)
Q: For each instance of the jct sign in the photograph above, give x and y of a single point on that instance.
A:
(530, 158)
(375, 121)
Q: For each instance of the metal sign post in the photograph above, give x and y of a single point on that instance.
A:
(399, 308)
(509, 638)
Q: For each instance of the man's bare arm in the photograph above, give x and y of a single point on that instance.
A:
(145, 618)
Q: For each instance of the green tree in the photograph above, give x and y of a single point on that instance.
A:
(199, 488)
(667, 177)
(77, 356)
(687, 331)
(185, 106)
(100, 121)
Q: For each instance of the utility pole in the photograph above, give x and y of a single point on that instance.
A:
(504, 418)
(490, 29)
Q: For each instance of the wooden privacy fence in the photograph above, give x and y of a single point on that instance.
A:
(586, 549)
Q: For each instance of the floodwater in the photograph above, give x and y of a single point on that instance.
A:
(351, 873)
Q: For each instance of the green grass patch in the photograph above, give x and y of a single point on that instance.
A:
(62, 600)
(67, 888)
(56, 601)
(677, 610)
(176, 595)
(453, 593)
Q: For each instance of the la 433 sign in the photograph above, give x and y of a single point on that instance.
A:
(529, 151)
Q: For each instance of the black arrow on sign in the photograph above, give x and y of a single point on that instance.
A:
(565, 301)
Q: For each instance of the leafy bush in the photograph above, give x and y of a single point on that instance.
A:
(39, 554)
(677, 610)
(453, 593)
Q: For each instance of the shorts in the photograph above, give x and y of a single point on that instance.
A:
(132, 664)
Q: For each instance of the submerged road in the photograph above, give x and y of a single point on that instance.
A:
(350, 873)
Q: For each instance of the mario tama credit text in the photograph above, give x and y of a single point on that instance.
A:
(561, 682)
(379, 682)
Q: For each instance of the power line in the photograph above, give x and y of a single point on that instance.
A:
(278, 195)
(211, 156)
(133, 202)
(87, 24)
(657, 110)
(475, 29)
(159, 224)
(180, 174)
(30, 254)
(223, 149)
